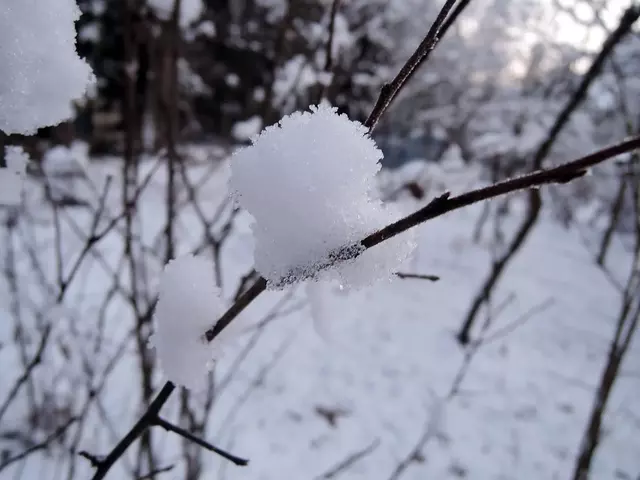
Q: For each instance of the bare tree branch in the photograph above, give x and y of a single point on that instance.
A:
(349, 461)
(389, 91)
(159, 421)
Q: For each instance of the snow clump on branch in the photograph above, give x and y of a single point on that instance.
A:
(309, 183)
(40, 70)
(189, 302)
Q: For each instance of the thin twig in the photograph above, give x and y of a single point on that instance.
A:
(37, 358)
(445, 203)
(161, 422)
(417, 276)
(390, 90)
(141, 425)
(152, 475)
(524, 318)
(259, 286)
(349, 461)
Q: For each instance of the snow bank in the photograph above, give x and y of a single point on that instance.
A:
(40, 71)
(309, 183)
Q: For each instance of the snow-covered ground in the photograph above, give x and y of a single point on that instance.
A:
(380, 359)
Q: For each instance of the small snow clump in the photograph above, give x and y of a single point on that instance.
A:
(247, 129)
(12, 176)
(40, 71)
(309, 183)
(189, 303)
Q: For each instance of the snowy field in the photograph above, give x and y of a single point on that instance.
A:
(373, 371)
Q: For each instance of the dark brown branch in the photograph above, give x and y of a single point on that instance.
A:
(259, 286)
(417, 276)
(159, 421)
(141, 425)
(626, 22)
(445, 203)
(451, 19)
(507, 329)
(390, 90)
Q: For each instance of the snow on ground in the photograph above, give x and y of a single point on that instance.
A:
(380, 359)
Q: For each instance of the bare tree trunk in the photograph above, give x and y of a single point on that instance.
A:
(534, 199)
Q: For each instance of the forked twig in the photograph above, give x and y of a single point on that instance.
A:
(170, 427)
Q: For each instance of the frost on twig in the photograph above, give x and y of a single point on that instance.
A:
(309, 183)
(187, 302)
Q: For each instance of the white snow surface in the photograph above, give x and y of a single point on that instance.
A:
(189, 303)
(385, 359)
(310, 184)
(40, 71)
